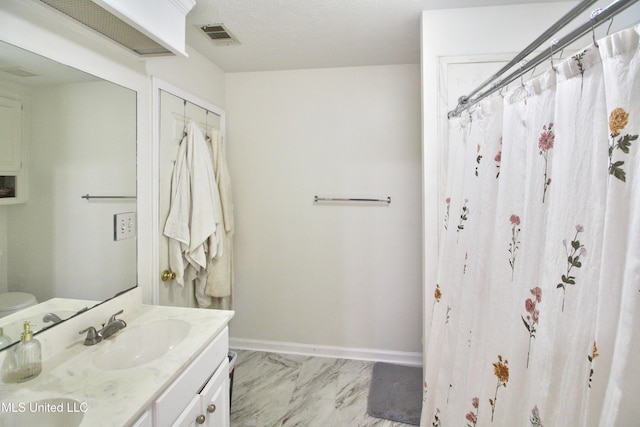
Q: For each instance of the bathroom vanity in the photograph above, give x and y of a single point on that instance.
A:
(167, 367)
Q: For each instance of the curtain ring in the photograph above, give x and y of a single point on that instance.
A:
(523, 64)
(554, 42)
(592, 18)
(610, 24)
(497, 85)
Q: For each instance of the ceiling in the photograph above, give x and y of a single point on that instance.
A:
(296, 34)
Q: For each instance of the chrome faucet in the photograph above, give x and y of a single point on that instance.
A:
(112, 326)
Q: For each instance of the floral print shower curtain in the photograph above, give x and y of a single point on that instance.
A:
(535, 316)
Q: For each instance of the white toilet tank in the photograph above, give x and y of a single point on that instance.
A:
(11, 302)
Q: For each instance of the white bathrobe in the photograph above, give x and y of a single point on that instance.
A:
(194, 224)
(220, 273)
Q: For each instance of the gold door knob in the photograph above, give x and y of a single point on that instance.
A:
(201, 419)
(167, 275)
(211, 408)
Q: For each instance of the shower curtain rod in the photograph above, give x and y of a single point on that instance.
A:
(598, 17)
(561, 23)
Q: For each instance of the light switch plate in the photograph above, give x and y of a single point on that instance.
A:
(124, 226)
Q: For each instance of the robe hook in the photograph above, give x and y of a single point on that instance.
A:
(206, 125)
(184, 118)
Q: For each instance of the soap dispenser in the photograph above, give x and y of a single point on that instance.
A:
(28, 356)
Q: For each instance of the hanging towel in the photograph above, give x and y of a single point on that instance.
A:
(177, 225)
(220, 274)
(194, 223)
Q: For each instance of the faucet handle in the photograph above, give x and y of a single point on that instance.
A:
(93, 337)
(113, 316)
(92, 331)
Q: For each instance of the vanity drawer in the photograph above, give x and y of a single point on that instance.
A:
(215, 398)
(177, 396)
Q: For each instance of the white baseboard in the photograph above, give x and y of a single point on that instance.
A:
(397, 357)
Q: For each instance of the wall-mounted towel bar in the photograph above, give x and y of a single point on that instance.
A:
(88, 196)
(338, 199)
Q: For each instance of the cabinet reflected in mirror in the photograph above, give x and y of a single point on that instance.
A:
(67, 135)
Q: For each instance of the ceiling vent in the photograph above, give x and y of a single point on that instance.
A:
(219, 34)
(109, 25)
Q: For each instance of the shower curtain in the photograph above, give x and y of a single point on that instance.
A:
(535, 316)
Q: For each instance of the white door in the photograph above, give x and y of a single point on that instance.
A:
(174, 115)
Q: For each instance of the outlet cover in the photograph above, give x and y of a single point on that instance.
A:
(124, 226)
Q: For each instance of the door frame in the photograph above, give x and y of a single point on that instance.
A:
(157, 86)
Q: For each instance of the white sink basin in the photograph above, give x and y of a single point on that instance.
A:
(140, 344)
(56, 412)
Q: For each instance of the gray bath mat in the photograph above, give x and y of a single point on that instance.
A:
(396, 393)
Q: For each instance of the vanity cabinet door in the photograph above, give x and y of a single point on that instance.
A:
(189, 417)
(215, 398)
(210, 408)
(178, 396)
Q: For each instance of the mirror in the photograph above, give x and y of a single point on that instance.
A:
(74, 137)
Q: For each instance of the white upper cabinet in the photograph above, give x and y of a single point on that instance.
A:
(10, 135)
(161, 20)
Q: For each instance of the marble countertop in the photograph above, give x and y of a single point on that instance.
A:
(116, 397)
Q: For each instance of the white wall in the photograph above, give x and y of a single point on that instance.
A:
(195, 74)
(31, 26)
(345, 275)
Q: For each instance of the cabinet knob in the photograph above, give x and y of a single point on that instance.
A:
(167, 275)
(201, 419)
(211, 408)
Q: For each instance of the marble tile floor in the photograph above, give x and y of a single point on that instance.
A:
(282, 390)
